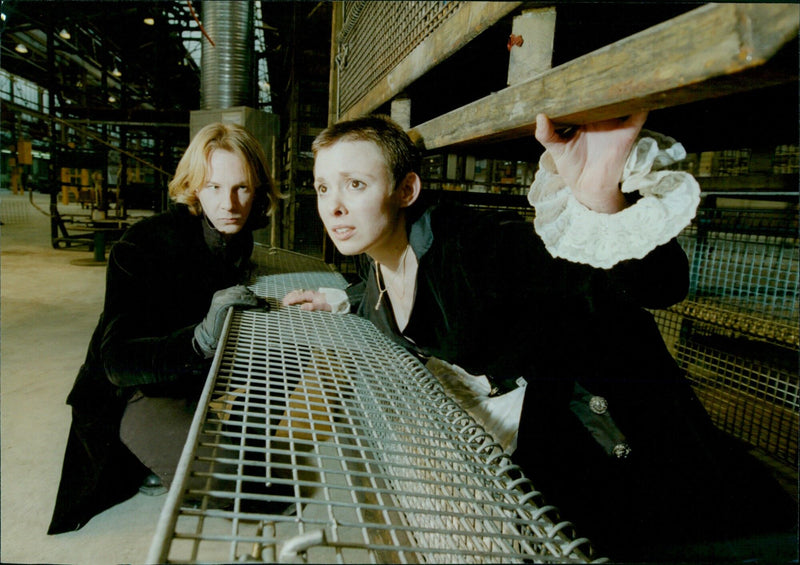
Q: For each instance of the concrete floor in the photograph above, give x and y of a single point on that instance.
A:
(50, 303)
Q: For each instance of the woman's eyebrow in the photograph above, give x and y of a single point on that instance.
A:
(359, 174)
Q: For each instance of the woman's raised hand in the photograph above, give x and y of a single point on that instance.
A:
(590, 158)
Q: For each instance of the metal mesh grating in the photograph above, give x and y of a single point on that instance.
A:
(318, 439)
(736, 334)
(746, 261)
(271, 261)
(376, 36)
(14, 210)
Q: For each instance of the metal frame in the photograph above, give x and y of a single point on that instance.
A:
(317, 439)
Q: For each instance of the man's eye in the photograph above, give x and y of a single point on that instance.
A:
(357, 184)
(322, 189)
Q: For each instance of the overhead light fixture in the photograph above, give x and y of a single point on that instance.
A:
(64, 34)
(116, 72)
(149, 21)
(111, 98)
(2, 16)
(20, 48)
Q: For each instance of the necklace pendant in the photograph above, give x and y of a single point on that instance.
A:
(378, 282)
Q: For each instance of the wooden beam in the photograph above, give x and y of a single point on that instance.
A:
(708, 52)
(463, 26)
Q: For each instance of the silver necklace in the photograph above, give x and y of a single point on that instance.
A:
(382, 291)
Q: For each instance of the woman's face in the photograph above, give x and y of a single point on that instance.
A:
(356, 200)
(226, 197)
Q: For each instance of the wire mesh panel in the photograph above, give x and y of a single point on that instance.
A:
(376, 36)
(272, 261)
(14, 209)
(736, 334)
(318, 439)
(747, 261)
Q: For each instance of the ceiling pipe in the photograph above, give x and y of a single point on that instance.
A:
(226, 76)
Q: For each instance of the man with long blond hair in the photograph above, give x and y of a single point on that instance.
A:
(170, 280)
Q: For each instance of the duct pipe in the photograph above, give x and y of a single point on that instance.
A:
(227, 65)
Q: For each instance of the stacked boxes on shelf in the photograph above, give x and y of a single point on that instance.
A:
(785, 159)
(467, 173)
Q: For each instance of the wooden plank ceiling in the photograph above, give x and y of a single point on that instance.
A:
(711, 51)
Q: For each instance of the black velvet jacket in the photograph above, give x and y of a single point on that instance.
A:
(161, 277)
(492, 299)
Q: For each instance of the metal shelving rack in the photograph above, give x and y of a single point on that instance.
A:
(319, 440)
(736, 334)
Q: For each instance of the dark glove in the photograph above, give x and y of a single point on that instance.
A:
(207, 332)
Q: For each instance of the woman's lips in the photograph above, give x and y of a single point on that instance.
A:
(342, 233)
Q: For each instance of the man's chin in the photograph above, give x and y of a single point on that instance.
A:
(230, 229)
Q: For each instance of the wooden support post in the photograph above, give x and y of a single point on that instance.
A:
(531, 44)
(401, 111)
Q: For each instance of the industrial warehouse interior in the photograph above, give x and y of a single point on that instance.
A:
(382, 463)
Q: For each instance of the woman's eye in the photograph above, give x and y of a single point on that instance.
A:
(244, 188)
(322, 189)
(356, 184)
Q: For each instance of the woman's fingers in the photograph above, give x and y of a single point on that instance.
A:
(298, 297)
(545, 132)
(307, 299)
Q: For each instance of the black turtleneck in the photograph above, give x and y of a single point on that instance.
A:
(234, 249)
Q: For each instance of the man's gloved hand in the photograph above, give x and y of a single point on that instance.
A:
(207, 332)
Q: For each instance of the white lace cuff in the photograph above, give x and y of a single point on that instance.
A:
(574, 232)
(337, 299)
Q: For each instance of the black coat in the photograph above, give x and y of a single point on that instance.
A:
(492, 299)
(161, 277)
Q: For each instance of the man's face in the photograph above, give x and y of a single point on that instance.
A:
(226, 198)
(355, 198)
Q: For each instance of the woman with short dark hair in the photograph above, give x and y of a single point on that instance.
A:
(542, 329)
